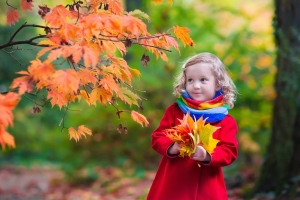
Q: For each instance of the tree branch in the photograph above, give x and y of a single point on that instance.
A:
(23, 26)
(13, 57)
(30, 41)
(123, 40)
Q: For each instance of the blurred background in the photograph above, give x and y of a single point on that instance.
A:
(239, 32)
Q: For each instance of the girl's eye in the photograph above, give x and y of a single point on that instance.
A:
(203, 79)
(190, 80)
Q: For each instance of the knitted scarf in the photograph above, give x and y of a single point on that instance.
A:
(213, 110)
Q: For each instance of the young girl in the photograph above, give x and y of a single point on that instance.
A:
(204, 89)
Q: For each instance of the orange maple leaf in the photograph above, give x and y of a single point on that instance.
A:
(110, 47)
(24, 83)
(41, 72)
(58, 98)
(86, 97)
(76, 134)
(182, 34)
(26, 5)
(115, 6)
(189, 134)
(109, 83)
(87, 76)
(12, 16)
(71, 31)
(141, 119)
(90, 56)
(134, 26)
(6, 138)
(56, 38)
(120, 69)
(90, 23)
(55, 54)
(58, 16)
(171, 41)
(7, 104)
(73, 52)
(66, 80)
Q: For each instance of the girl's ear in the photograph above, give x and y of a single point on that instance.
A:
(218, 87)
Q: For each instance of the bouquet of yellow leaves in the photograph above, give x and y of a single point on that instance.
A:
(191, 133)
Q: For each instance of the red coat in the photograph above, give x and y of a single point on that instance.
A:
(180, 178)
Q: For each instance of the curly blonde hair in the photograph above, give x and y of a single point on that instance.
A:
(222, 77)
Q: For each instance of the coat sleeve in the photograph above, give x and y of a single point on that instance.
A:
(160, 142)
(226, 150)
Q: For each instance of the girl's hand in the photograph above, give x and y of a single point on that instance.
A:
(174, 149)
(201, 155)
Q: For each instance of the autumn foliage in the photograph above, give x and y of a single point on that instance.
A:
(87, 35)
(190, 133)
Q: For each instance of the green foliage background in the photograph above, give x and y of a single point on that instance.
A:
(238, 32)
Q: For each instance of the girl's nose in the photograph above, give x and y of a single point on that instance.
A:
(197, 85)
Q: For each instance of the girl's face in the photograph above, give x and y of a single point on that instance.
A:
(200, 82)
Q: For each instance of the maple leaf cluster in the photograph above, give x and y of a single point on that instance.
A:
(87, 35)
(191, 133)
(7, 104)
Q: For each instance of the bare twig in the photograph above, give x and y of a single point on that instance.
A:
(135, 43)
(22, 42)
(13, 49)
(35, 102)
(9, 53)
(62, 121)
(152, 46)
(10, 5)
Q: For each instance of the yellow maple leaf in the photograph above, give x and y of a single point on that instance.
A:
(77, 134)
(186, 151)
(206, 136)
(127, 96)
(182, 34)
(101, 95)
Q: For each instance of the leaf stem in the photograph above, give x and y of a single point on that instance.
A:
(10, 5)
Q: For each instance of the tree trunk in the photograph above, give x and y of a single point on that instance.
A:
(280, 172)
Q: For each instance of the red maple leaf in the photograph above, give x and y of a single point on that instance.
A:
(26, 5)
(12, 16)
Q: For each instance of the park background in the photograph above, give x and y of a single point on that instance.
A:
(122, 165)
